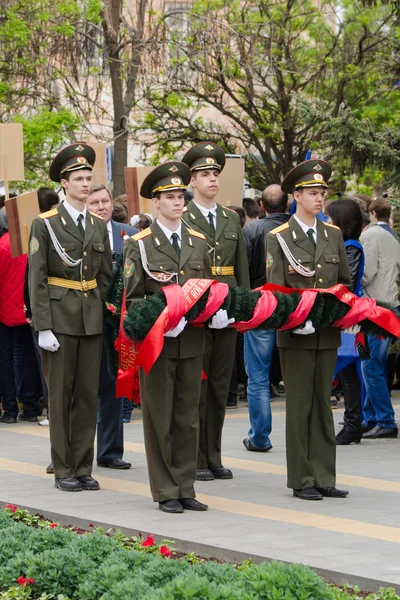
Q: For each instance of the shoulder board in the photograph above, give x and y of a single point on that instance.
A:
(185, 209)
(98, 216)
(141, 234)
(49, 213)
(280, 228)
(230, 209)
(331, 225)
(196, 234)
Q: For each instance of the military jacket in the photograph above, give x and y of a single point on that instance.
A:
(162, 260)
(329, 261)
(226, 245)
(68, 311)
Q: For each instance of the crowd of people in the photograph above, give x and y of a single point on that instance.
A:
(54, 355)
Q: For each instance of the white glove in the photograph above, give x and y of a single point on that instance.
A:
(175, 331)
(220, 320)
(308, 328)
(354, 329)
(48, 341)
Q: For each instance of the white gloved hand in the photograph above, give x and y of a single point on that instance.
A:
(220, 320)
(355, 329)
(308, 328)
(48, 341)
(175, 331)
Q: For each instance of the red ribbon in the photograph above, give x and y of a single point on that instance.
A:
(179, 301)
(216, 297)
(262, 311)
(126, 359)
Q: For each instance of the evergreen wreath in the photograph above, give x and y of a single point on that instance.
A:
(240, 304)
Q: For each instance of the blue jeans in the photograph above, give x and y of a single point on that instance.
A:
(378, 409)
(258, 348)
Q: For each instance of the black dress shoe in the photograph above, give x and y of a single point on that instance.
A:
(114, 463)
(50, 469)
(366, 428)
(192, 504)
(7, 419)
(68, 484)
(88, 483)
(204, 474)
(249, 446)
(221, 473)
(346, 437)
(171, 506)
(23, 417)
(378, 432)
(332, 492)
(308, 493)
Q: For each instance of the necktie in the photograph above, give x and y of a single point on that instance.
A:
(310, 234)
(80, 226)
(211, 220)
(175, 244)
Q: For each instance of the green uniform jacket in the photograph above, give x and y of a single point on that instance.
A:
(163, 260)
(226, 245)
(71, 312)
(331, 267)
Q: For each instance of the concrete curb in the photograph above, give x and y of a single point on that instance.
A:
(208, 551)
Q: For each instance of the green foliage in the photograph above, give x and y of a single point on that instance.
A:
(44, 133)
(254, 64)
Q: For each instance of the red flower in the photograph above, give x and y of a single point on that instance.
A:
(12, 507)
(149, 541)
(165, 551)
(90, 525)
(52, 525)
(25, 580)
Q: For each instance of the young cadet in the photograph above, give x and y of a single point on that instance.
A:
(167, 253)
(307, 253)
(69, 272)
(223, 233)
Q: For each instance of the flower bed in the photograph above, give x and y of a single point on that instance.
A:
(41, 560)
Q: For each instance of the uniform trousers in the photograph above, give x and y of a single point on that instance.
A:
(310, 434)
(72, 375)
(170, 396)
(219, 354)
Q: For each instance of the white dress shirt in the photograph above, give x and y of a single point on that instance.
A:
(110, 235)
(306, 228)
(205, 212)
(168, 233)
(74, 214)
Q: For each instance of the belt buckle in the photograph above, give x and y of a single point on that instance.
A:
(85, 286)
(219, 271)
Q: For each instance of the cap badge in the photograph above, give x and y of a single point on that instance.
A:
(210, 161)
(176, 180)
(318, 177)
(79, 148)
(174, 169)
(209, 147)
(318, 168)
(81, 160)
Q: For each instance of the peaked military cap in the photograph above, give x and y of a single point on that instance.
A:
(73, 157)
(205, 155)
(172, 175)
(310, 173)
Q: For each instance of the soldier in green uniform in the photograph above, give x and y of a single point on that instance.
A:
(166, 253)
(223, 233)
(308, 253)
(70, 269)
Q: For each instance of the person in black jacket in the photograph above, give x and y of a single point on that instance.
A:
(259, 345)
(347, 215)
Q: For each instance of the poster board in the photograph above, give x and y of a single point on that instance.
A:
(20, 213)
(11, 152)
(99, 173)
(230, 191)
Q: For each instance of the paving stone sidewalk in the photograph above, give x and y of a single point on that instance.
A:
(355, 540)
